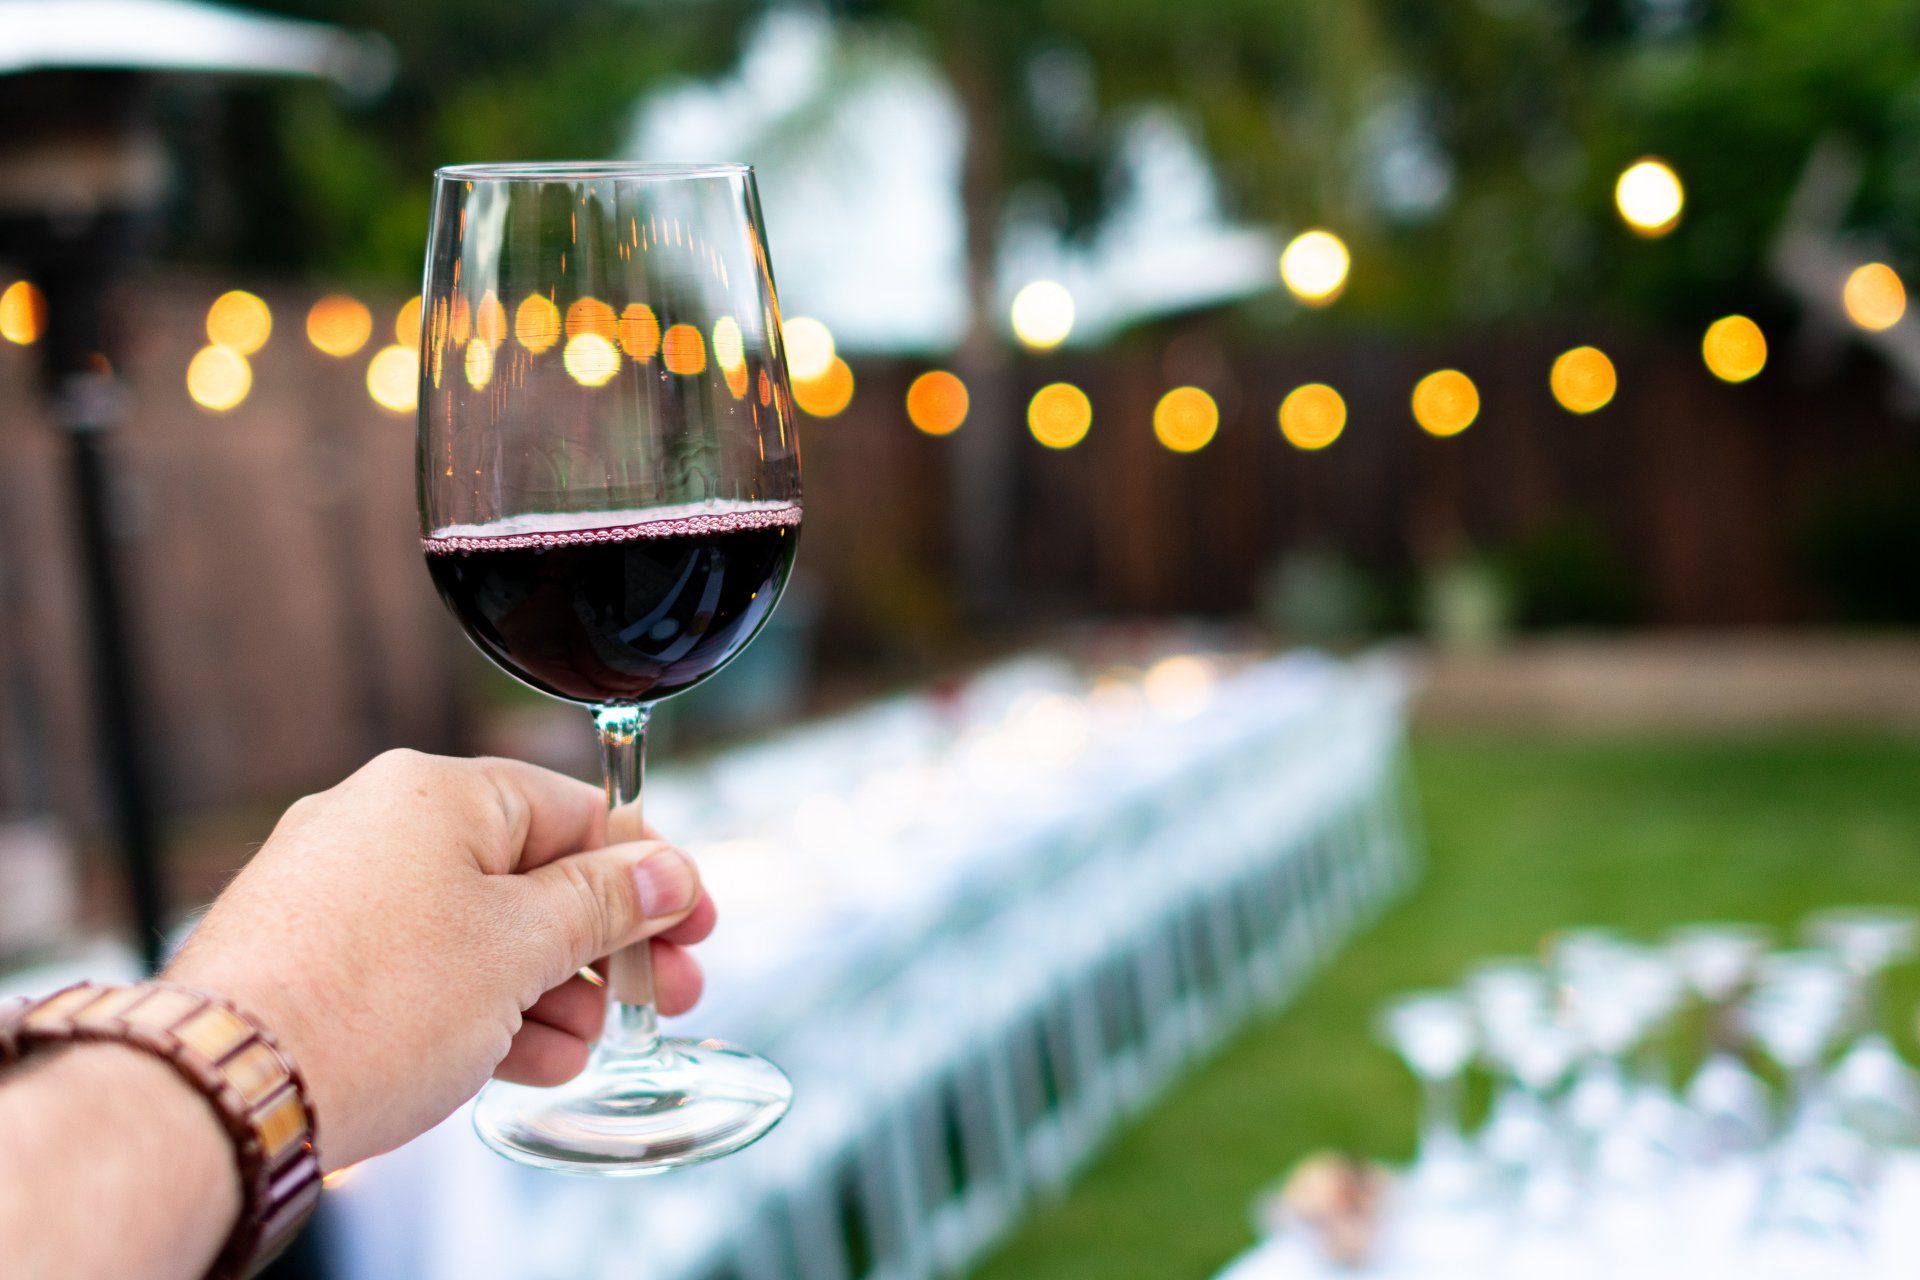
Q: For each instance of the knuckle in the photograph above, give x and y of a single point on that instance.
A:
(591, 920)
(401, 764)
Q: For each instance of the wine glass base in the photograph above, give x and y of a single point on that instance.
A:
(688, 1102)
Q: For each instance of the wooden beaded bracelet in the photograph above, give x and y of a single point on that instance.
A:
(235, 1064)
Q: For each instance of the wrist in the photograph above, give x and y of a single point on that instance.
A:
(135, 1089)
(284, 1014)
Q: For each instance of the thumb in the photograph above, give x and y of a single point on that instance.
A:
(602, 900)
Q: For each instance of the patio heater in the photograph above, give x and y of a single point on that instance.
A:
(84, 178)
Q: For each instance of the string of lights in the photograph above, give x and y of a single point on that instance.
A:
(1314, 266)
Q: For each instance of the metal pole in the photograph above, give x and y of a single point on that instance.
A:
(87, 405)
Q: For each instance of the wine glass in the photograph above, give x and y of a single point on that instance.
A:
(1433, 1033)
(609, 495)
(1731, 1106)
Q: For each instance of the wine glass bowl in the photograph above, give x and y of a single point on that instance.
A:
(609, 491)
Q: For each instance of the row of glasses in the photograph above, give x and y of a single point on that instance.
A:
(1591, 1127)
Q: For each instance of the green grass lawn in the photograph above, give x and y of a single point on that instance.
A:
(1527, 835)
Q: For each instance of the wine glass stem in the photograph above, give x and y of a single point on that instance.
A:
(1440, 1125)
(633, 1028)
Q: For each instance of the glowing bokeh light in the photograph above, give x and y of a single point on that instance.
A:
(809, 347)
(1445, 402)
(1874, 297)
(239, 321)
(591, 360)
(736, 378)
(1583, 379)
(406, 324)
(1312, 416)
(479, 363)
(827, 395)
(490, 320)
(591, 316)
(1059, 415)
(1314, 267)
(1650, 197)
(639, 332)
(338, 325)
(393, 378)
(729, 350)
(937, 403)
(1185, 419)
(536, 323)
(23, 313)
(1178, 687)
(1734, 349)
(683, 350)
(218, 378)
(1042, 315)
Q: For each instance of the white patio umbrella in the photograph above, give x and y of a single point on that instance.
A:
(186, 37)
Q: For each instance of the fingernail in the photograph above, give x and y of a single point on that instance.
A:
(665, 882)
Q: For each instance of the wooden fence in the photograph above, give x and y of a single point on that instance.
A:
(286, 629)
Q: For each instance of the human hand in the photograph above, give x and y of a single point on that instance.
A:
(422, 925)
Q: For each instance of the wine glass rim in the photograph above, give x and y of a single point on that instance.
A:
(591, 170)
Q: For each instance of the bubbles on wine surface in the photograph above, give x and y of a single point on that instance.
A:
(537, 529)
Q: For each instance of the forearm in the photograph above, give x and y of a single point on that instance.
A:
(111, 1166)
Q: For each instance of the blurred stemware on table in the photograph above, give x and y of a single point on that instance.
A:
(1816, 1193)
(1433, 1032)
(1620, 999)
(1876, 1091)
(1729, 1103)
(1530, 1050)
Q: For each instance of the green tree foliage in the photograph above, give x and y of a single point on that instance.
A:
(342, 186)
(1525, 110)
(1466, 151)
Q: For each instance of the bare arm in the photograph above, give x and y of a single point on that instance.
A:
(110, 1165)
(404, 936)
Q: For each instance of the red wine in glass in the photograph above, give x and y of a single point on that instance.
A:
(626, 607)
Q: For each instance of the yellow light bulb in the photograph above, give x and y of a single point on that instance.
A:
(1445, 402)
(639, 332)
(1043, 314)
(1734, 349)
(1314, 267)
(937, 402)
(1059, 415)
(338, 325)
(23, 313)
(1874, 297)
(827, 395)
(218, 378)
(479, 363)
(536, 323)
(729, 349)
(591, 316)
(1185, 419)
(683, 350)
(809, 348)
(393, 378)
(406, 324)
(240, 321)
(590, 360)
(1312, 416)
(1583, 379)
(1650, 197)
